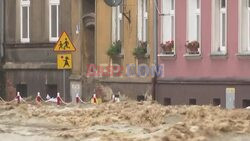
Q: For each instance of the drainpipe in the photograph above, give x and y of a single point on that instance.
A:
(4, 38)
(1, 29)
(2, 42)
(154, 87)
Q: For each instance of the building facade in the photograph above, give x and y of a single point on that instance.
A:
(205, 74)
(127, 27)
(31, 29)
(83, 37)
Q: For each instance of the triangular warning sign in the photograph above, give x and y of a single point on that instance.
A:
(64, 44)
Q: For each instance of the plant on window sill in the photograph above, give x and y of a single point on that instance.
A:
(141, 50)
(192, 47)
(114, 49)
(168, 47)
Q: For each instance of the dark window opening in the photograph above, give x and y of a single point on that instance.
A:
(51, 90)
(167, 101)
(245, 103)
(192, 101)
(216, 102)
(223, 3)
(22, 88)
(140, 98)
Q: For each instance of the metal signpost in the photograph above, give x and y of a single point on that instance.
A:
(64, 46)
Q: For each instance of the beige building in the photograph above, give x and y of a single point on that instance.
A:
(131, 24)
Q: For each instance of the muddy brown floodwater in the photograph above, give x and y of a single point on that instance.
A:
(124, 121)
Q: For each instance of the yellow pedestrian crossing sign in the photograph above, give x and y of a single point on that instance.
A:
(64, 61)
(64, 44)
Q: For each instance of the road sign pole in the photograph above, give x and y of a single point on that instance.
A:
(64, 83)
(64, 60)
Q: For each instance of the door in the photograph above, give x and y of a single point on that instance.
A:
(230, 98)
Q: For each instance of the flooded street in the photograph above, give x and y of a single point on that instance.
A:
(126, 121)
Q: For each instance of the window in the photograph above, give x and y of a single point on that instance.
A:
(223, 25)
(168, 26)
(219, 26)
(54, 20)
(24, 17)
(192, 101)
(167, 101)
(140, 98)
(142, 20)
(245, 103)
(194, 26)
(116, 23)
(244, 26)
(216, 102)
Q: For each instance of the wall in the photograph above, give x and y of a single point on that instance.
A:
(36, 81)
(203, 92)
(207, 76)
(103, 32)
(83, 16)
(39, 29)
(129, 42)
(207, 66)
(34, 63)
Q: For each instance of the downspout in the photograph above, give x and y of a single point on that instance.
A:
(2, 30)
(4, 38)
(155, 48)
(2, 44)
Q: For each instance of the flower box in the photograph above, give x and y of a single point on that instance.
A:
(141, 50)
(193, 47)
(168, 47)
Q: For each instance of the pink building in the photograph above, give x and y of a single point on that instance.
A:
(216, 59)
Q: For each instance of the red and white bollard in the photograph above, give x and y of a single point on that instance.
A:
(48, 97)
(58, 99)
(18, 98)
(78, 99)
(38, 98)
(94, 98)
(113, 98)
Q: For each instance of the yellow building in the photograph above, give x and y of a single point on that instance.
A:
(97, 27)
(131, 25)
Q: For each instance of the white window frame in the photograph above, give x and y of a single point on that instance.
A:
(194, 11)
(24, 3)
(142, 20)
(198, 13)
(116, 23)
(53, 3)
(168, 26)
(223, 11)
(243, 26)
(248, 25)
(216, 36)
